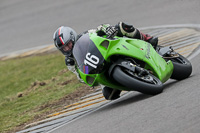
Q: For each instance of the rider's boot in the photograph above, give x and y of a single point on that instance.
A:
(152, 40)
(111, 94)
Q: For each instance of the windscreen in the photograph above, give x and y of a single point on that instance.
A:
(81, 48)
(87, 55)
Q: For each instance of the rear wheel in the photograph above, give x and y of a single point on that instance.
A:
(145, 83)
(182, 68)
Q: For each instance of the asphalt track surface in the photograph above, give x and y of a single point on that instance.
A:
(176, 110)
(26, 24)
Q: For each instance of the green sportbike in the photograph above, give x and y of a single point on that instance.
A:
(127, 64)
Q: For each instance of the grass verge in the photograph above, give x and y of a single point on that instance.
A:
(33, 87)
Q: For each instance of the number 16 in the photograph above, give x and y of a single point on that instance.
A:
(91, 60)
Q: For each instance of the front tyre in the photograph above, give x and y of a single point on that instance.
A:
(182, 68)
(148, 84)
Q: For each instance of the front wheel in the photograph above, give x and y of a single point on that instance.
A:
(147, 84)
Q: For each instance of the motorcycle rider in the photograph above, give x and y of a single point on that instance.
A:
(65, 38)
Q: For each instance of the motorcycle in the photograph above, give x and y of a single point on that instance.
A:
(127, 64)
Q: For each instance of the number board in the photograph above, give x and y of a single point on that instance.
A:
(93, 60)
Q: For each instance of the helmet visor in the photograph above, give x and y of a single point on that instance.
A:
(66, 49)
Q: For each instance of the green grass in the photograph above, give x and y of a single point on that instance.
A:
(24, 76)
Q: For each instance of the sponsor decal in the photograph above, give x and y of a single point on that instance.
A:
(148, 51)
(125, 47)
(85, 69)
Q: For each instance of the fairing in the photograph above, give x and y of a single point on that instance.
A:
(98, 51)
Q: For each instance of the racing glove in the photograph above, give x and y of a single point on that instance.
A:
(106, 29)
(69, 61)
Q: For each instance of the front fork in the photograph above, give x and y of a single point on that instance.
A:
(128, 65)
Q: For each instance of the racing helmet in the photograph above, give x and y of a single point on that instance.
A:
(62, 36)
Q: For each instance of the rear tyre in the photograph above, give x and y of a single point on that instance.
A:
(182, 68)
(148, 84)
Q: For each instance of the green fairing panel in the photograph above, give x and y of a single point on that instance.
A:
(101, 78)
(137, 49)
(162, 69)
